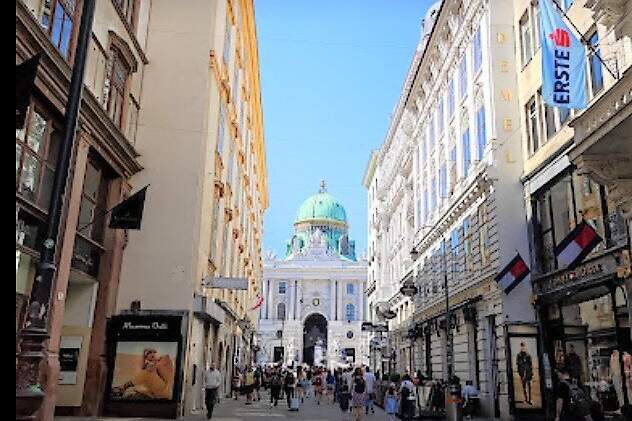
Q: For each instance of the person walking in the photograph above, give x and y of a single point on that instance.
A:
(391, 402)
(369, 379)
(318, 385)
(289, 385)
(276, 382)
(358, 395)
(344, 400)
(249, 384)
(407, 398)
(300, 383)
(331, 386)
(212, 381)
(236, 384)
(257, 383)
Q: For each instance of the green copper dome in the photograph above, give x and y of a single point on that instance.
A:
(321, 206)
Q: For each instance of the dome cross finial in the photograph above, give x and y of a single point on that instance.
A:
(323, 187)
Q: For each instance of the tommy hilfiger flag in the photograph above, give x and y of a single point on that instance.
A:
(577, 244)
(512, 274)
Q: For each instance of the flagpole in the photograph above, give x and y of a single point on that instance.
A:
(584, 40)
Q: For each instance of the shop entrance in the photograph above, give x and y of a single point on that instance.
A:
(315, 340)
(590, 336)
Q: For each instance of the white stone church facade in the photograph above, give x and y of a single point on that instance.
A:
(314, 298)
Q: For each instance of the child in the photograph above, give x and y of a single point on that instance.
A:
(390, 403)
(343, 399)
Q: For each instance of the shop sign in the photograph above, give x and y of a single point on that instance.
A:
(587, 272)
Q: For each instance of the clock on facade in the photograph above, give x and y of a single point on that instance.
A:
(316, 302)
(350, 334)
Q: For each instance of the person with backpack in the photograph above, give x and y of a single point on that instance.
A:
(344, 401)
(358, 394)
(276, 382)
(573, 403)
(407, 399)
(289, 385)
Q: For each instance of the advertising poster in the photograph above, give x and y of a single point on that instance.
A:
(525, 372)
(69, 359)
(144, 371)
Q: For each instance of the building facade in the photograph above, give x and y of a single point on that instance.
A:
(125, 299)
(202, 147)
(103, 162)
(447, 196)
(314, 298)
(577, 169)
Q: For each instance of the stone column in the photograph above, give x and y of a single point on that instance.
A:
(298, 315)
(341, 311)
(271, 314)
(360, 291)
(332, 297)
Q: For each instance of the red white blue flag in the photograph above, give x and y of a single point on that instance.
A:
(512, 274)
(577, 245)
(258, 302)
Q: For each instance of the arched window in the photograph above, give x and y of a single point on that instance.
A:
(350, 289)
(350, 312)
(281, 311)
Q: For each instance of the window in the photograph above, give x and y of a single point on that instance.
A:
(463, 77)
(127, 9)
(481, 132)
(443, 181)
(451, 99)
(467, 245)
(350, 289)
(433, 194)
(483, 234)
(526, 47)
(282, 287)
(533, 124)
(91, 225)
(440, 118)
(227, 40)
(594, 66)
(36, 150)
(426, 205)
(453, 169)
(281, 311)
(117, 81)
(477, 51)
(60, 26)
(350, 312)
(454, 250)
(221, 131)
(466, 151)
(559, 207)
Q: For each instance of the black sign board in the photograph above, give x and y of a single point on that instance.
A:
(145, 354)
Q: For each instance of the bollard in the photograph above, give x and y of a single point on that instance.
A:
(454, 403)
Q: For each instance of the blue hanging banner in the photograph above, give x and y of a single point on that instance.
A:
(563, 61)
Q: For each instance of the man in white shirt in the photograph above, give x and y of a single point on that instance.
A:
(369, 379)
(212, 381)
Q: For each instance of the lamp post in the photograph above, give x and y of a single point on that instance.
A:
(414, 254)
(29, 393)
(454, 408)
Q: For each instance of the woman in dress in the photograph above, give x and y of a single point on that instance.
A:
(358, 395)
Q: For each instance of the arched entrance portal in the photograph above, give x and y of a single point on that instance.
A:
(315, 339)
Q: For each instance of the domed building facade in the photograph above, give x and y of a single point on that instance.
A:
(314, 300)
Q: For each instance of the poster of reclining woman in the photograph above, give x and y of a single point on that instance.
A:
(144, 371)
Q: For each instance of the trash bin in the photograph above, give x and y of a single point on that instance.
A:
(454, 403)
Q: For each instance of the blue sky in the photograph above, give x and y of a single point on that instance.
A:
(331, 73)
